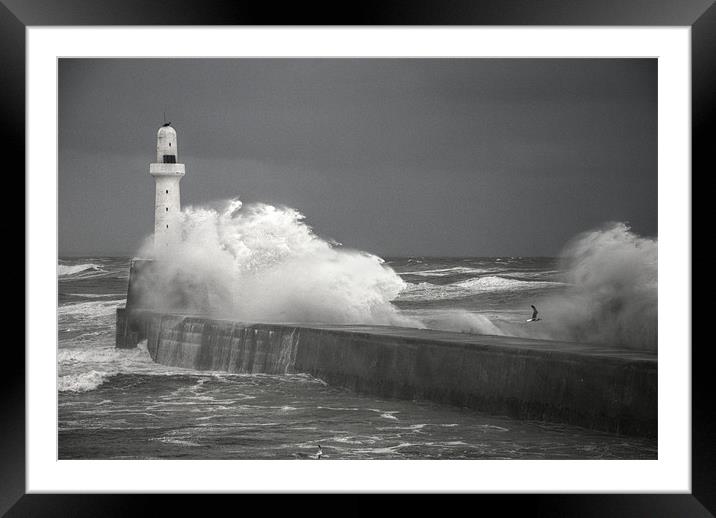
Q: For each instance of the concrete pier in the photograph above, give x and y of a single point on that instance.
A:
(602, 388)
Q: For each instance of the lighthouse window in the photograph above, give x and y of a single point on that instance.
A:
(167, 191)
(167, 209)
(167, 226)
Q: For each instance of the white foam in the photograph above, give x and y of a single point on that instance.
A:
(82, 382)
(497, 283)
(613, 294)
(487, 284)
(263, 263)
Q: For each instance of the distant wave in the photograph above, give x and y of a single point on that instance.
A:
(65, 270)
(497, 283)
(91, 309)
(94, 295)
(486, 284)
(445, 272)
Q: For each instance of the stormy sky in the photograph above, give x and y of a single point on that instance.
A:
(441, 157)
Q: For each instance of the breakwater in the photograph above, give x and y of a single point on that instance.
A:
(597, 387)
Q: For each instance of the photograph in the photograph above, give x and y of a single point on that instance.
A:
(356, 258)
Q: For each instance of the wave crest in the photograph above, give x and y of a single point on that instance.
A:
(65, 270)
(264, 263)
(82, 382)
(488, 284)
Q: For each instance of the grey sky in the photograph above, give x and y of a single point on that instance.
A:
(394, 156)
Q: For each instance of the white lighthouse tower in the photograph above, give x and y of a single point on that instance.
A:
(167, 173)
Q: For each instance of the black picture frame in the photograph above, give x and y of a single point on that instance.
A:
(700, 15)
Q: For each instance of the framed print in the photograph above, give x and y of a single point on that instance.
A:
(443, 251)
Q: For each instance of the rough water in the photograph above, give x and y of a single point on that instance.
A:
(119, 404)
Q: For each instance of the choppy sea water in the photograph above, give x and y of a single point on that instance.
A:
(119, 404)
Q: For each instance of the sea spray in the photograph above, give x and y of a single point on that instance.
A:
(614, 274)
(463, 321)
(262, 263)
(259, 262)
(611, 298)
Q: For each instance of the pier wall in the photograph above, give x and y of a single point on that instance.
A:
(601, 388)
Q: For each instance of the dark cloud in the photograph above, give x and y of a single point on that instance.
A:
(397, 156)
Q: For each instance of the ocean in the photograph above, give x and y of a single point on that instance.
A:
(119, 404)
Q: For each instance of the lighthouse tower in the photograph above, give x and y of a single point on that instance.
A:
(167, 173)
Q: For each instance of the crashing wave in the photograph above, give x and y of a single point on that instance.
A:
(259, 262)
(83, 381)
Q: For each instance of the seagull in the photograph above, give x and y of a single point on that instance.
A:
(534, 315)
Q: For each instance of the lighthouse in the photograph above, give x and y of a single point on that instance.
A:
(167, 173)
